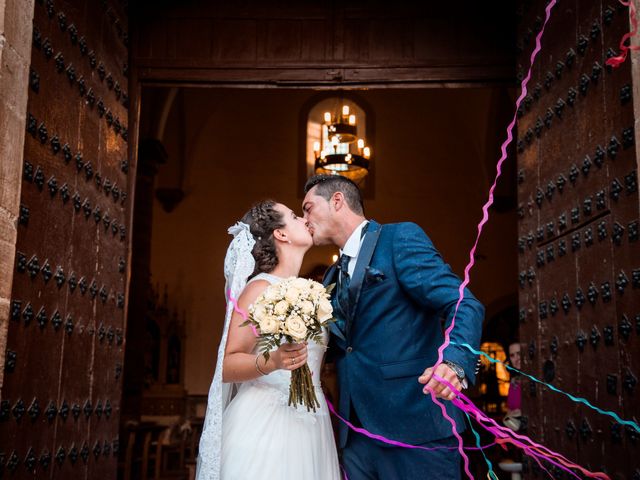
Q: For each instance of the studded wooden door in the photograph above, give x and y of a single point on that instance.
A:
(61, 393)
(578, 235)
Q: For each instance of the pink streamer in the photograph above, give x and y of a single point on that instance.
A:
(487, 205)
(485, 218)
(615, 62)
(443, 409)
(395, 443)
(243, 313)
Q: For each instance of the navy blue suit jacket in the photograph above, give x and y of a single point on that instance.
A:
(399, 292)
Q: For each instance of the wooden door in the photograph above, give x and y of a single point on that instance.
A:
(578, 235)
(61, 393)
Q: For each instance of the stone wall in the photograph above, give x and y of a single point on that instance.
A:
(15, 57)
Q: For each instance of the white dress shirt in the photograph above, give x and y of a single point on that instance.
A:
(352, 247)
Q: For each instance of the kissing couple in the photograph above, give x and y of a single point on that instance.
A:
(394, 295)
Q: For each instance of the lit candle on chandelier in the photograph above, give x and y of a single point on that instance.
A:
(360, 146)
(352, 119)
(345, 110)
(334, 144)
(316, 147)
(327, 117)
(367, 152)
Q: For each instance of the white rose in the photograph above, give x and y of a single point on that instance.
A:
(325, 310)
(301, 283)
(281, 307)
(292, 294)
(258, 312)
(295, 327)
(271, 294)
(307, 307)
(268, 325)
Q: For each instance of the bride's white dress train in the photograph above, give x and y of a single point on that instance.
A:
(264, 438)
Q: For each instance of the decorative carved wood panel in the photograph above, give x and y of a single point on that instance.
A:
(289, 43)
(61, 393)
(578, 235)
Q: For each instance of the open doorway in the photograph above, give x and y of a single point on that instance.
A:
(207, 154)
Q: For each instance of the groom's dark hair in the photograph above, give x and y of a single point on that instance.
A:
(330, 184)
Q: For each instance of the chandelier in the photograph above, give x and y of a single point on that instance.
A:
(340, 151)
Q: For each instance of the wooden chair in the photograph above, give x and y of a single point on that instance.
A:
(138, 451)
(167, 455)
(192, 446)
(149, 456)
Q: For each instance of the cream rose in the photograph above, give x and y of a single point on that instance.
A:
(292, 294)
(325, 310)
(271, 294)
(301, 283)
(307, 307)
(268, 325)
(258, 312)
(281, 307)
(295, 327)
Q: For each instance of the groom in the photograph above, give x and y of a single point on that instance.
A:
(392, 290)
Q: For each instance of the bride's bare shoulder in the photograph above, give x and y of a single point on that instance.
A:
(252, 291)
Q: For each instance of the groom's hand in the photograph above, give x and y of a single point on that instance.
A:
(441, 390)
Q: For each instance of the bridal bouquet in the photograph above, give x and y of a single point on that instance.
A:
(294, 310)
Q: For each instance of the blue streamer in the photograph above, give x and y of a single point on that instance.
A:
(491, 474)
(575, 399)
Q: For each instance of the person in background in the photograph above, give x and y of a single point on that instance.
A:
(514, 398)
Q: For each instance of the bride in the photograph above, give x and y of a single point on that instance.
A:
(250, 431)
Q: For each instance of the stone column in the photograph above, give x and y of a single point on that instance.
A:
(16, 25)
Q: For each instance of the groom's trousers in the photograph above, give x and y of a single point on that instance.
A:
(367, 459)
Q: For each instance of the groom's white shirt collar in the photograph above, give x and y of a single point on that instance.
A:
(352, 247)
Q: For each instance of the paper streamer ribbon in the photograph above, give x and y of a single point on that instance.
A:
(615, 62)
(344, 472)
(454, 430)
(531, 448)
(243, 313)
(574, 398)
(491, 474)
(395, 443)
(485, 218)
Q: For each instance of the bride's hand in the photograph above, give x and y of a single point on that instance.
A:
(290, 356)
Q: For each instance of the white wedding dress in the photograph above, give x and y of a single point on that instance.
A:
(265, 438)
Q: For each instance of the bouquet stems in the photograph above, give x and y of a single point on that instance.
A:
(301, 390)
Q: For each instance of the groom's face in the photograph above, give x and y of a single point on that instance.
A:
(319, 216)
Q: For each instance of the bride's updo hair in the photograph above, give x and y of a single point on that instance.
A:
(263, 219)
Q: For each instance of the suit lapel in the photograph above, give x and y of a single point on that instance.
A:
(364, 259)
(329, 278)
(330, 275)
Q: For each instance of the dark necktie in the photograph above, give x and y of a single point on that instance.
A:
(343, 265)
(342, 292)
